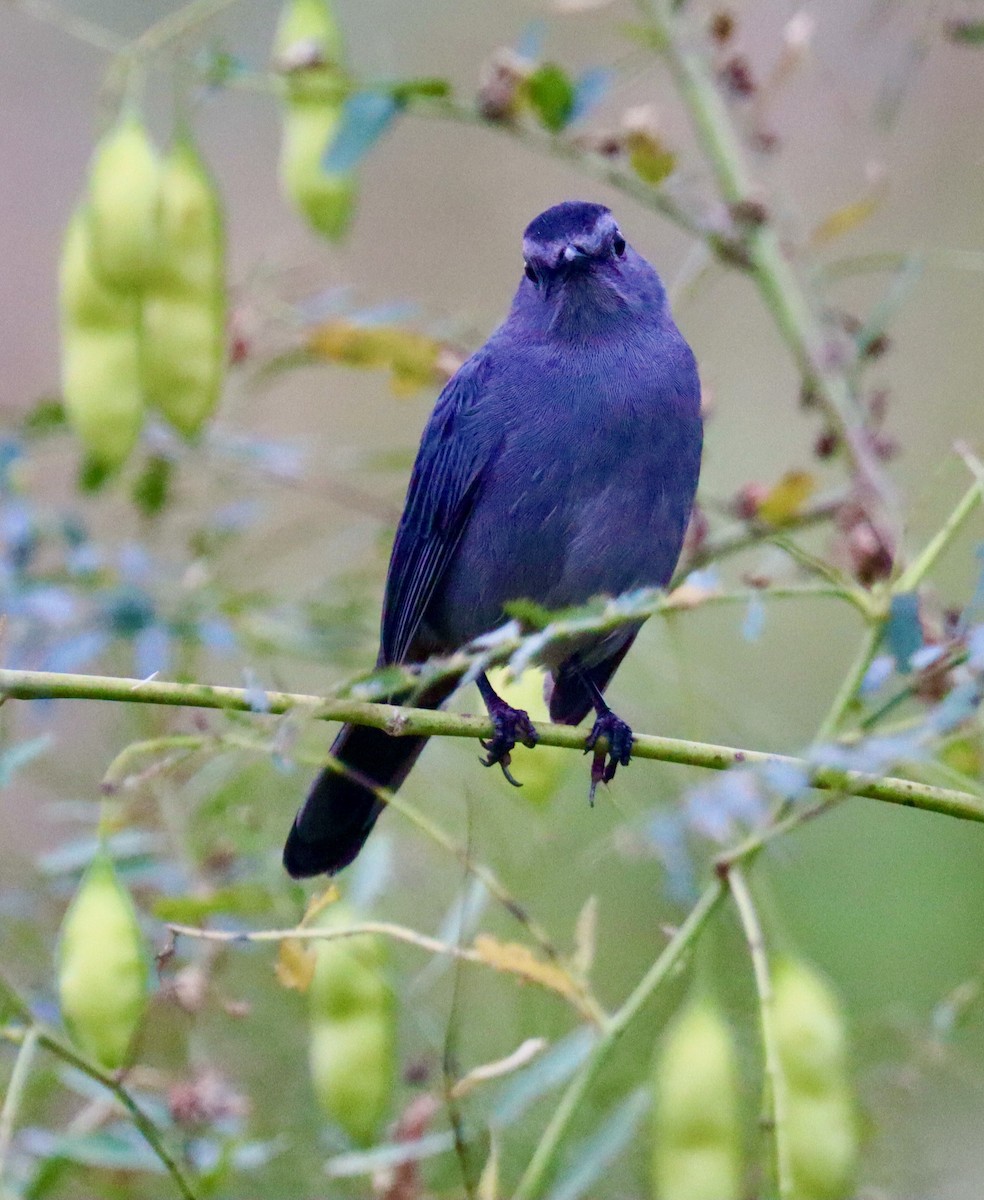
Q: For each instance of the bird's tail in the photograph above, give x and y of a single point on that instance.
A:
(338, 815)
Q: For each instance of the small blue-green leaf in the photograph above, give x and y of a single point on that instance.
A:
(589, 91)
(20, 754)
(959, 706)
(545, 1074)
(119, 1148)
(365, 118)
(754, 622)
(975, 648)
(592, 1158)
(904, 634)
(530, 44)
(877, 674)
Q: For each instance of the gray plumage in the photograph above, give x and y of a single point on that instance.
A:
(559, 463)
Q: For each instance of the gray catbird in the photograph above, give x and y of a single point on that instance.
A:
(560, 463)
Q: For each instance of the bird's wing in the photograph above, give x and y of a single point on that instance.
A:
(453, 451)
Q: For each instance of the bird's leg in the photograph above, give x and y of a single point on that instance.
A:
(511, 725)
(616, 733)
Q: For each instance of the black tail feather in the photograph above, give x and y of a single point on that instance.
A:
(340, 811)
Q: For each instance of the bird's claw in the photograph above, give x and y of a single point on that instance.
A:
(511, 725)
(618, 751)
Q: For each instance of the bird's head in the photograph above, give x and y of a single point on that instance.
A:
(580, 272)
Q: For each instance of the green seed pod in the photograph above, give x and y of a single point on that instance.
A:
(822, 1141)
(307, 38)
(352, 1051)
(124, 180)
(820, 1118)
(184, 312)
(103, 976)
(810, 1028)
(100, 352)
(697, 1136)
(308, 49)
(325, 201)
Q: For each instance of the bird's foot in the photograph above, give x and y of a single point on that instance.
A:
(619, 739)
(511, 725)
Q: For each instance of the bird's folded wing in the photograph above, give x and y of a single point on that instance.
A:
(457, 444)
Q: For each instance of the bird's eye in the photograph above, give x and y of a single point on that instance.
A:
(618, 244)
(530, 273)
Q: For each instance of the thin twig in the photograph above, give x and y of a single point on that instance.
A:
(399, 933)
(541, 1166)
(775, 1107)
(51, 1042)
(15, 1092)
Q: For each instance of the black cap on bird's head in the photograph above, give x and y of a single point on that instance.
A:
(570, 237)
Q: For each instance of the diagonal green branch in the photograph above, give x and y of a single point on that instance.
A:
(36, 685)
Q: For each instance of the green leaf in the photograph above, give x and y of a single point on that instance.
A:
(550, 93)
(19, 755)
(965, 31)
(592, 1158)
(243, 899)
(47, 416)
(152, 487)
(649, 158)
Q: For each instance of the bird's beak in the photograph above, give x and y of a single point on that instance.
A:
(572, 253)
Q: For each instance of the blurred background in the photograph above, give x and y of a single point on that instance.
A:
(275, 539)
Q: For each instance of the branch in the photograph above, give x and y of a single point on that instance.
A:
(61, 1049)
(551, 976)
(414, 722)
(785, 296)
(775, 1108)
(538, 1172)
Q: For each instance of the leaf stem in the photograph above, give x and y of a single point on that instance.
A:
(538, 1172)
(12, 1100)
(56, 1046)
(775, 1107)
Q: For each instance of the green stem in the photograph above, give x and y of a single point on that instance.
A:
(776, 1095)
(60, 1049)
(33, 685)
(537, 1175)
(848, 691)
(73, 25)
(567, 151)
(736, 538)
(917, 571)
(774, 275)
(15, 1093)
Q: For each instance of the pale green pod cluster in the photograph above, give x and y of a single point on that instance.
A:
(821, 1133)
(184, 312)
(697, 1151)
(352, 1046)
(308, 48)
(142, 295)
(100, 352)
(103, 968)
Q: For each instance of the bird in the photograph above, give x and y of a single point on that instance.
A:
(560, 463)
